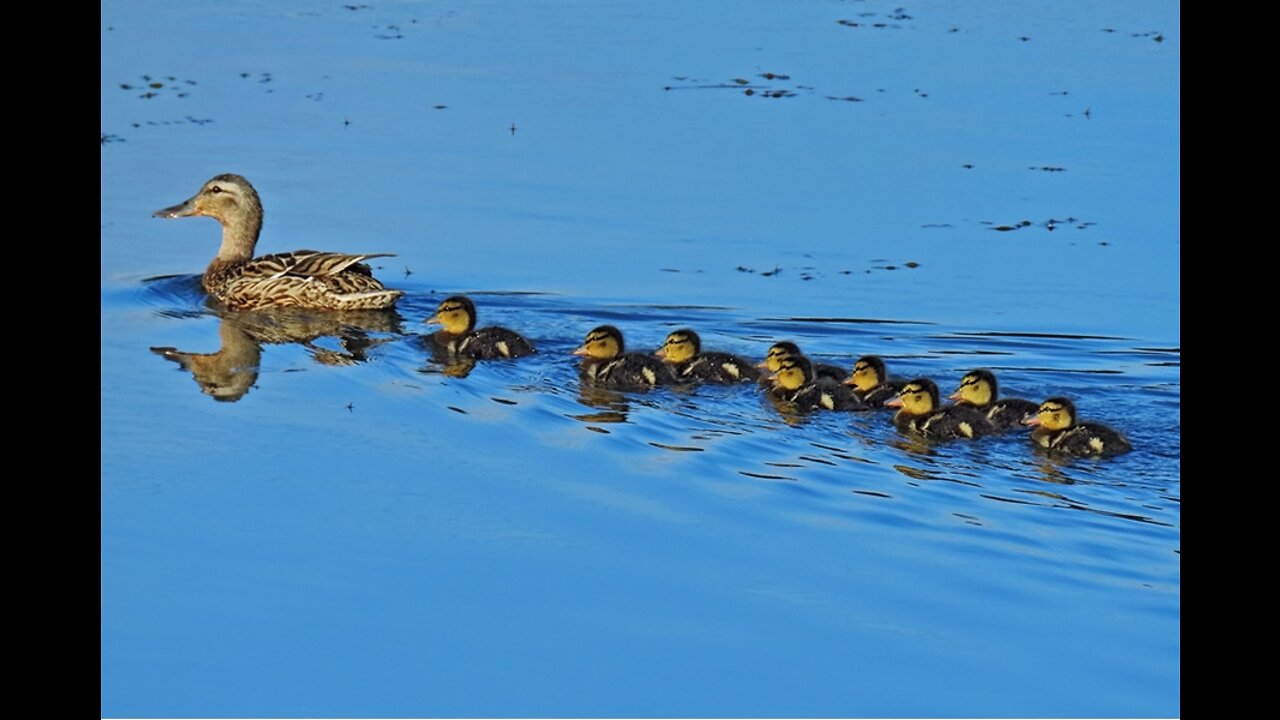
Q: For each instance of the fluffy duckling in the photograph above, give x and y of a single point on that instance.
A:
(796, 383)
(683, 351)
(1058, 432)
(979, 390)
(871, 382)
(922, 412)
(304, 278)
(458, 336)
(606, 363)
(779, 351)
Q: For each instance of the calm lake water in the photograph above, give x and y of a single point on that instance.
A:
(315, 519)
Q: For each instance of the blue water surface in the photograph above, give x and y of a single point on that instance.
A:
(311, 517)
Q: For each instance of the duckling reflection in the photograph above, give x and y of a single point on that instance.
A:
(228, 374)
(611, 406)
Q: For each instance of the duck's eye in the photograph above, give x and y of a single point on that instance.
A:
(215, 190)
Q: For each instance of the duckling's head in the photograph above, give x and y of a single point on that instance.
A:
(918, 397)
(868, 373)
(1056, 413)
(456, 314)
(603, 343)
(978, 388)
(777, 353)
(681, 346)
(232, 201)
(794, 371)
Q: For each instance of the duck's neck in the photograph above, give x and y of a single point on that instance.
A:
(239, 237)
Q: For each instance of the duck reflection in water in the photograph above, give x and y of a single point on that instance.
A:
(610, 406)
(228, 374)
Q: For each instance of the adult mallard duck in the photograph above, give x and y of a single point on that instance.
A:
(459, 336)
(303, 278)
(1059, 433)
(606, 363)
(979, 390)
(921, 412)
(683, 351)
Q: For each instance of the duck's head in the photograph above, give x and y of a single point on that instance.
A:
(1056, 413)
(868, 373)
(680, 346)
(794, 371)
(918, 397)
(778, 352)
(603, 343)
(978, 388)
(232, 201)
(457, 314)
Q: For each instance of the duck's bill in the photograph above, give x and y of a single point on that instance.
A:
(580, 351)
(1031, 420)
(954, 396)
(182, 209)
(661, 353)
(850, 382)
(895, 403)
(433, 320)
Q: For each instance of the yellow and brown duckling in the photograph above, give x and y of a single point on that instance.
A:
(922, 412)
(871, 382)
(979, 390)
(303, 278)
(606, 363)
(1058, 431)
(458, 335)
(796, 382)
(683, 351)
(779, 351)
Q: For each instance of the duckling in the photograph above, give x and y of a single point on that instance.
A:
(304, 278)
(683, 351)
(1058, 432)
(605, 363)
(785, 348)
(978, 389)
(921, 412)
(457, 315)
(871, 382)
(796, 383)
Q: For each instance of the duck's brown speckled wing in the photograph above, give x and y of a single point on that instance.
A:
(306, 278)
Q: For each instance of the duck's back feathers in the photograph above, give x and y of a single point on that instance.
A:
(493, 342)
(825, 394)
(629, 371)
(951, 422)
(1008, 413)
(877, 396)
(718, 367)
(314, 282)
(1082, 440)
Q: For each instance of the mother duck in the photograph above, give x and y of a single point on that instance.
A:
(303, 278)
